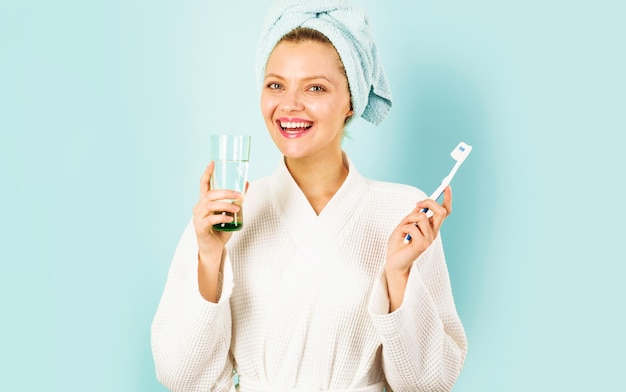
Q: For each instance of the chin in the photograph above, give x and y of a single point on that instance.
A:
(292, 153)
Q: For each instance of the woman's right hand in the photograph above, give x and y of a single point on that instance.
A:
(207, 212)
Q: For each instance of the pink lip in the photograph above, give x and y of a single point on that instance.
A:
(293, 133)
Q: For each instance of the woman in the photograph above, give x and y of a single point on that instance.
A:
(318, 291)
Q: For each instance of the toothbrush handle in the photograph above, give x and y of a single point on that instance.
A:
(436, 195)
(407, 237)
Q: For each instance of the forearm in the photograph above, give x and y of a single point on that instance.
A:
(210, 274)
(190, 335)
(422, 351)
(396, 287)
(423, 340)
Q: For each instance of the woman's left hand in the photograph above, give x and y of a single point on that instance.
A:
(423, 231)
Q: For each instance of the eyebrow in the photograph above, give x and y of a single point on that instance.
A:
(308, 78)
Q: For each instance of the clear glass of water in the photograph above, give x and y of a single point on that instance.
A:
(231, 154)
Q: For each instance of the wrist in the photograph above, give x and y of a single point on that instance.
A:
(210, 265)
(397, 273)
(397, 280)
(211, 257)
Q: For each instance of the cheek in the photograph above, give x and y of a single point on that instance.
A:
(331, 110)
(267, 105)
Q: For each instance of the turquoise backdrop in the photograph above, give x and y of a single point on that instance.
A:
(105, 112)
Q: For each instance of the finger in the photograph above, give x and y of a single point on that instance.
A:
(436, 214)
(413, 217)
(420, 232)
(204, 226)
(436, 220)
(205, 180)
(447, 200)
(416, 219)
(425, 227)
(441, 212)
(207, 206)
(214, 208)
(411, 231)
(428, 204)
(219, 195)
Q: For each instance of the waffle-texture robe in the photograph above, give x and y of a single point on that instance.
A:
(304, 303)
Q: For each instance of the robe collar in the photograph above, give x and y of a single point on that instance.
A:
(306, 227)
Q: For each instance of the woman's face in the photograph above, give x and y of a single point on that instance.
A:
(305, 99)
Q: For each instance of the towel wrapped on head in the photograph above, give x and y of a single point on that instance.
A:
(348, 30)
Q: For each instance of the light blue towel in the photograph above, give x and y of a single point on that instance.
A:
(348, 29)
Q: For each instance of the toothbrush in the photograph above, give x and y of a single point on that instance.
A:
(460, 152)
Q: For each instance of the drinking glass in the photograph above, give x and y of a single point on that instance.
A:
(230, 154)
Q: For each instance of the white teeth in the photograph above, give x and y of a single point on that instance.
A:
(296, 124)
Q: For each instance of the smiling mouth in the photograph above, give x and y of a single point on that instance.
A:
(294, 127)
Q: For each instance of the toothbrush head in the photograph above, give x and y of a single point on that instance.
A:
(461, 151)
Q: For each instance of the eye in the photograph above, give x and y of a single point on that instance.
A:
(273, 86)
(317, 88)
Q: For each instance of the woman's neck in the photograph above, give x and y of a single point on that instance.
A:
(319, 179)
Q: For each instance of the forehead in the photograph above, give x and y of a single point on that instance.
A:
(304, 55)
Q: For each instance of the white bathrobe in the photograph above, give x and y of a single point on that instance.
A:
(304, 304)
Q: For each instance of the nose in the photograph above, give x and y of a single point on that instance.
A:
(292, 101)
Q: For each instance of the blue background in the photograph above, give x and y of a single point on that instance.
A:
(105, 112)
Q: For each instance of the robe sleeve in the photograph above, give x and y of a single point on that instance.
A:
(424, 343)
(191, 336)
